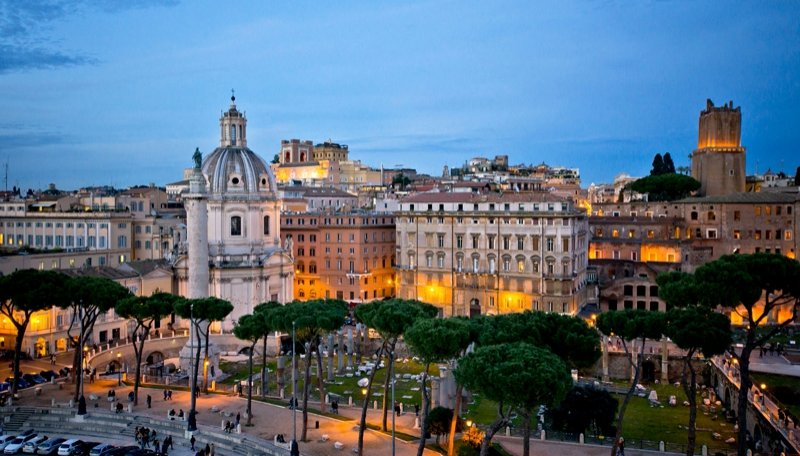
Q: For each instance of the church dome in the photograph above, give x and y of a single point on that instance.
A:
(233, 169)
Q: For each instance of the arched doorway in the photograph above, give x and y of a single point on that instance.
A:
(648, 371)
(40, 349)
(154, 363)
(474, 308)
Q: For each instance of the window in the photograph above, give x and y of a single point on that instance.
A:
(506, 264)
(737, 215)
(757, 210)
(549, 244)
(520, 242)
(492, 266)
(693, 215)
(459, 241)
(236, 226)
(440, 240)
(475, 238)
(459, 263)
(266, 225)
(491, 242)
(628, 290)
(122, 241)
(475, 264)
(711, 233)
(440, 261)
(429, 260)
(737, 234)
(520, 265)
(565, 244)
(641, 290)
(757, 235)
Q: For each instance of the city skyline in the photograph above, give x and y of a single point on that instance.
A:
(121, 95)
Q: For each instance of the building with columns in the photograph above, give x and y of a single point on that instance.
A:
(239, 227)
(492, 253)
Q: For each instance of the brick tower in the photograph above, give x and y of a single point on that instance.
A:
(718, 162)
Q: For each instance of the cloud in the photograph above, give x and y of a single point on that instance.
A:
(16, 139)
(26, 41)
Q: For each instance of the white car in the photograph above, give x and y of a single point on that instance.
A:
(68, 447)
(15, 446)
(5, 440)
(30, 445)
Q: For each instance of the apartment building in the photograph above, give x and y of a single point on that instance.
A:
(491, 253)
(347, 256)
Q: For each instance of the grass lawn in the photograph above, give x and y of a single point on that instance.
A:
(669, 423)
(344, 386)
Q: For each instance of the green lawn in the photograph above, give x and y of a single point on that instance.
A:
(344, 386)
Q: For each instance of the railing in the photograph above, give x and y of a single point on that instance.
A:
(761, 402)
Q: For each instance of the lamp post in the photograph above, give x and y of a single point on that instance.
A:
(119, 367)
(294, 450)
(192, 421)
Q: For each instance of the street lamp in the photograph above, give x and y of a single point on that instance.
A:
(119, 367)
(81, 399)
(293, 449)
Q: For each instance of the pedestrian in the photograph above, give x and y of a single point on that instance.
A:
(149, 401)
(212, 450)
(238, 418)
(165, 395)
(192, 440)
(416, 409)
(621, 447)
(397, 408)
(169, 394)
(207, 451)
(156, 446)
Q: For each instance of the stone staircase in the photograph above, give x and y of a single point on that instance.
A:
(17, 419)
(104, 425)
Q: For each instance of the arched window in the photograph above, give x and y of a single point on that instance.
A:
(233, 135)
(266, 225)
(287, 157)
(236, 226)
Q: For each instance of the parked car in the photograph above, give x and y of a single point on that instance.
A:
(64, 371)
(85, 448)
(68, 447)
(21, 383)
(122, 451)
(48, 375)
(50, 447)
(102, 449)
(38, 379)
(5, 440)
(5, 386)
(30, 445)
(15, 446)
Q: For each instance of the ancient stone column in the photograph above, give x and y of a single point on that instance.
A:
(350, 349)
(605, 358)
(664, 361)
(341, 354)
(330, 357)
(281, 375)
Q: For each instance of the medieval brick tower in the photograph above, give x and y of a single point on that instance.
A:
(718, 162)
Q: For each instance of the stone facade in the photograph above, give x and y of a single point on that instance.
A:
(718, 162)
(347, 256)
(492, 253)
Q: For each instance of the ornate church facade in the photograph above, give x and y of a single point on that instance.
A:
(233, 209)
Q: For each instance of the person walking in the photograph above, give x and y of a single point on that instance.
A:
(165, 395)
(212, 450)
(207, 451)
(238, 418)
(192, 441)
(149, 401)
(621, 447)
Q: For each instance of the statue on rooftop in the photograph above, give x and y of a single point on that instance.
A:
(197, 157)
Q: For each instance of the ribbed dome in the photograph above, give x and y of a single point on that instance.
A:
(232, 171)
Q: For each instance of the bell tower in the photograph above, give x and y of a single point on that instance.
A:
(233, 127)
(718, 163)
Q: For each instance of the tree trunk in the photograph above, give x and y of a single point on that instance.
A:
(451, 440)
(138, 351)
(17, 352)
(264, 381)
(690, 388)
(363, 423)
(320, 380)
(526, 433)
(250, 388)
(205, 360)
(386, 385)
(621, 415)
(486, 443)
(744, 387)
(306, 385)
(426, 405)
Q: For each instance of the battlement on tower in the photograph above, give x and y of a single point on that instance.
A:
(720, 126)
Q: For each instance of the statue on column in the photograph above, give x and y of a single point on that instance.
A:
(198, 158)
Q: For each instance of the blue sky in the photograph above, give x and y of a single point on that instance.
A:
(120, 92)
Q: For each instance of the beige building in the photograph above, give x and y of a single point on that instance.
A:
(48, 330)
(347, 256)
(492, 253)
